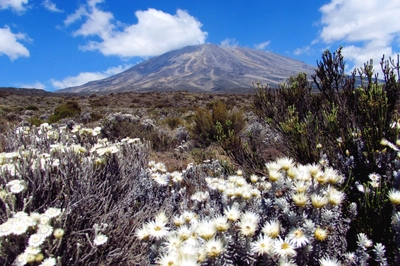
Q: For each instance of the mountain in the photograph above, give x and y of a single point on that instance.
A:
(201, 68)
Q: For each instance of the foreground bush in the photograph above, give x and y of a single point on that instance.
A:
(69, 197)
(343, 124)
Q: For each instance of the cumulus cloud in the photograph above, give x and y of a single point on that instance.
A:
(10, 44)
(365, 29)
(156, 32)
(16, 5)
(85, 77)
(229, 42)
(262, 46)
(49, 5)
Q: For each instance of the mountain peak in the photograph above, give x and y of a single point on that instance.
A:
(201, 68)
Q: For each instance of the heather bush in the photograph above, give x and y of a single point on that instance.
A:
(209, 124)
(69, 109)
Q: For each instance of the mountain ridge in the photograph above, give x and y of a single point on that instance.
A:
(201, 68)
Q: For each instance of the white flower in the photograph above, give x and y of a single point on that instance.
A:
(262, 246)
(21, 259)
(297, 238)
(17, 188)
(329, 262)
(168, 259)
(58, 233)
(300, 199)
(100, 239)
(335, 197)
(394, 196)
(247, 227)
(271, 228)
(214, 247)
(48, 262)
(232, 213)
(206, 230)
(363, 241)
(45, 230)
(52, 212)
(319, 201)
(142, 233)
(19, 228)
(36, 240)
(44, 219)
(5, 229)
(157, 229)
(283, 248)
(285, 163)
(221, 223)
(32, 250)
(173, 242)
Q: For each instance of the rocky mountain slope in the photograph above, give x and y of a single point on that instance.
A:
(201, 68)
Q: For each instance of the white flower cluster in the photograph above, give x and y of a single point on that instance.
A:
(298, 193)
(158, 173)
(38, 227)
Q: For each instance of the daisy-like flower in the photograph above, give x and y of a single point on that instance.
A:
(176, 177)
(285, 163)
(274, 175)
(100, 239)
(250, 216)
(5, 229)
(21, 259)
(157, 229)
(335, 197)
(326, 261)
(364, 241)
(319, 201)
(44, 219)
(247, 228)
(17, 188)
(36, 240)
(271, 228)
(178, 220)
(300, 199)
(394, 196)
(32, 250)
(297, 238)
(332, 176)
(300, 186)
(173, 242)
(48, 262)
(184, 232)
(232, 213)
(314, 169)
(188, 216)
(254, 178)
(161, 217)
(262, 246)
(206, 230)
(142, 233)
(320, 234)
(52, 212)
(58, 233)
(221, 223)
(45, 230)
(214, 247)
(19, 228)
(283, 248)
(168, 259)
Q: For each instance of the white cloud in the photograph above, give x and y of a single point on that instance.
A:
(365, 29)
(303, 50)
(85, 77)
(9, 44)
(229, 42)
(262, 46)
(49, 5)
(16, 5)
(34, 85)
(155, 33)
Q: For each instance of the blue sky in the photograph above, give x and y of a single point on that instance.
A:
(49, 44)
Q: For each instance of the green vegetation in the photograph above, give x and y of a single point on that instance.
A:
(64, 110)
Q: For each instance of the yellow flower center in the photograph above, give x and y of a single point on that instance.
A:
(285, 245)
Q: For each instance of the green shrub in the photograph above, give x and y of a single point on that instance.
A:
(35, 121)
(32, 107)
(205, 130)
(64, 110)
(345, 123)
(173, 122)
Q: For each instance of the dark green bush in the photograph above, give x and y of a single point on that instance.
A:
(32, 107)
(64, 110)
(206, 122)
